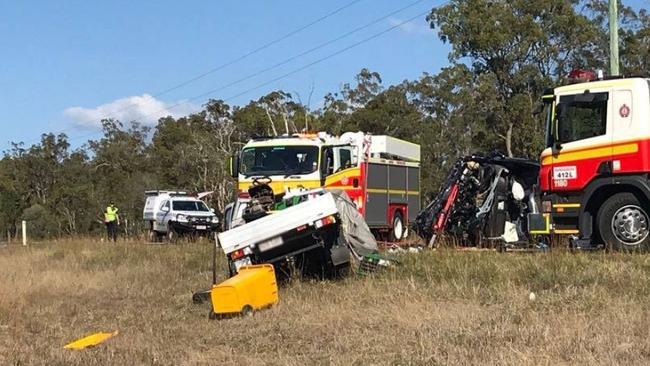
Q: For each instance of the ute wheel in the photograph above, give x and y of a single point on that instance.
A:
(247, 311)
(172, 235)
(623, 223)
(397, 231)
(212, 315)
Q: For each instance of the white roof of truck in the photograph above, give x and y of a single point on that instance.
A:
(284, 141)
(389, 146)
(381, 146)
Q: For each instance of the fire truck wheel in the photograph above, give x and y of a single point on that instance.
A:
(623, 223)
(397, 232)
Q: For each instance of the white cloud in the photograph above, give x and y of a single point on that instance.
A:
(141, 108)
(414, 27)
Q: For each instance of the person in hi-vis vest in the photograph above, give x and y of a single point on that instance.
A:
(112, 220)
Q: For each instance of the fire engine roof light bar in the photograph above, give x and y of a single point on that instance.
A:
(581, 76)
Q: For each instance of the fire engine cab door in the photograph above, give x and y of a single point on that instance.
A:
(583, 140)
(626, 133)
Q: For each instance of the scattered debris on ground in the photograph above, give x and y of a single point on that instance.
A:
(90, 340)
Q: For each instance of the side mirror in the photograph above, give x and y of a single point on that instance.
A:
(560, 117)
(212, 210)
(234, 165)
(560, 111)
(557, 146)
(165, 209)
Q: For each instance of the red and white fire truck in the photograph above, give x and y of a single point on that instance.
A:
(594, 178)
(381, 174)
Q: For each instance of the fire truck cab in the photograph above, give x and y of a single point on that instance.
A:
(595, 169)
(381, 174)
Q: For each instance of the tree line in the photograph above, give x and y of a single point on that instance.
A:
(503, 55)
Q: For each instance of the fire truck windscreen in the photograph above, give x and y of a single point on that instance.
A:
(279, 160)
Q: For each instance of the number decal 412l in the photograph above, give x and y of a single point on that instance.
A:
(564, 172)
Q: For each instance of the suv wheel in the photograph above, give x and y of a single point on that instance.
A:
(172, 235)
(152, 236)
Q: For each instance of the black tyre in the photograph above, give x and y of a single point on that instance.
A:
(623, 223)
(152, 236)
(397, 227)
(200, 297)
(247, 311)
(172, 235)
(212, 315)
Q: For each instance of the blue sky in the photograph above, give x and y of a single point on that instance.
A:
(66, 64)
(62, 60)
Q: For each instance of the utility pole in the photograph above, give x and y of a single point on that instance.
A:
(613, 37)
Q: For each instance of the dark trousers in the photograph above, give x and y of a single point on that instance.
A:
(111, 230)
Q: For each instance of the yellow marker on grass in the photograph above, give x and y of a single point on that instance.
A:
(89, 341)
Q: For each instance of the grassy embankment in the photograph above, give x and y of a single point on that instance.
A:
(441, 307)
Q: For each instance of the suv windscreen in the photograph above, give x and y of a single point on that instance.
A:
(278, 160)
(585, 116)
(189, 206)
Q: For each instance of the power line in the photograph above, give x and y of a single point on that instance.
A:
(374, 36)
(258, 49)
(293, 58)
(295, 71)
(244, 56)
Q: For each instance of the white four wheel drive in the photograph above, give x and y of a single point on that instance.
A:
(173, 213)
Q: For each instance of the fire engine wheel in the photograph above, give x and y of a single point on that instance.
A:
(623, 223)
(397, 232)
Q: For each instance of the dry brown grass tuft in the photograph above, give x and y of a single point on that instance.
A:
(442, 307)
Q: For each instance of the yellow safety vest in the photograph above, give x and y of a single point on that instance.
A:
(110, 214)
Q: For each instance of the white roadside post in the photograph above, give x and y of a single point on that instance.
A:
(24, 233)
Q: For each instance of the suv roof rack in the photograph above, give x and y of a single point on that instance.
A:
(171, 193)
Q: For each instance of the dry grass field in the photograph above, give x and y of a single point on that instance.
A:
(444, 307)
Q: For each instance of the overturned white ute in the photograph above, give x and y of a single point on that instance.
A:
(171, 214)
(313, 231)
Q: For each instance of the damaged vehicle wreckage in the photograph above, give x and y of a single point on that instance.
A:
(315, 232)
(484, 201)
